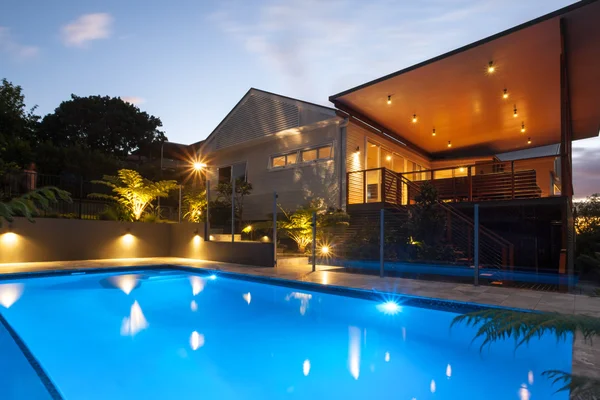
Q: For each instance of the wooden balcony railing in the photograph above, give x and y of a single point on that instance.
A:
(509, 180)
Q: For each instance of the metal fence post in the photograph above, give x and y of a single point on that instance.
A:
(381, 241)
(233, 211)
(207, 224)
(314, 241)
(80, 197)
(275, 229)
(180, 186)
(476, 243)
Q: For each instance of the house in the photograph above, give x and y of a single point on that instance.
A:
(278, 144)
(490, 124)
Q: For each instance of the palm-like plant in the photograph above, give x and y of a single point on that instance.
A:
(498, 324)
(30, 204)
(134, 192)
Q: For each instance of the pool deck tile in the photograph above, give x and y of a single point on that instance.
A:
(586, 354)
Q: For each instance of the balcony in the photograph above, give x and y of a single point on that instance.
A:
(490, 181)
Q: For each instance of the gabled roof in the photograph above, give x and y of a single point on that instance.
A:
(455, 95)
(260, 113)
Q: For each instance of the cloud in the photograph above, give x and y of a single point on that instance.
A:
(86, 28)
(586, 165)
(133, 100)
(10, 46)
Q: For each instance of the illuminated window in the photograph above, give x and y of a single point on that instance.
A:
(325, 152)
(278, 161)
(309, 155)
(282, 161)
(291, 159)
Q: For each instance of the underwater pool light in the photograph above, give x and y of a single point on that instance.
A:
(212, 277)
(389, 307)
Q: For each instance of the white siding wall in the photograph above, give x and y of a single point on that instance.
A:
(296, 186)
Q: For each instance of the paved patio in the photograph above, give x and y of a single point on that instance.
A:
(586, 357)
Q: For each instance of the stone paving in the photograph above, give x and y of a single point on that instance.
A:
(586, 357)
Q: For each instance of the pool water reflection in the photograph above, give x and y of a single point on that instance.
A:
(172, 335)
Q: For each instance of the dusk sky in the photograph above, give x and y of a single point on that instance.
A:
(189, 62)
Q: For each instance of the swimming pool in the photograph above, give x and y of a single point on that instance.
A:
(173, 334)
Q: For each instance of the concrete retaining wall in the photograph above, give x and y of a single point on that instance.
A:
(65, 239)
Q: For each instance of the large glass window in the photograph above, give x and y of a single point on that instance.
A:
(239, 171)
(225, 174)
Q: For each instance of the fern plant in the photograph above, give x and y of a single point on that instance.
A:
(496, 324)
(30, 204)
(134, 192)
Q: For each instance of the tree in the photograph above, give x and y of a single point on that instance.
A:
(17, 126)
(30, 204)
(104, 123)
(298, 225)
(194, 205)
(133, 192)
(498, 324)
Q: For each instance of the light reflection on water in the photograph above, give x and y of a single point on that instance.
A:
(124, 282)
(354, 351)
(304, 299)
(10, 293)
(197, 284)
(135, 323)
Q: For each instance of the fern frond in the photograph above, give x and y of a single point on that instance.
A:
(581, 387)
(497, 324)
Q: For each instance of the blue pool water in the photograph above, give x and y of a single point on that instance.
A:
(174, 335)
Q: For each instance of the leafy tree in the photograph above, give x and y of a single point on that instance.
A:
(587, 225)
(17, 126)
(194, 205)
(133, 192)
(298, 225)
(498, 324)
(105, 123)
(30, 204)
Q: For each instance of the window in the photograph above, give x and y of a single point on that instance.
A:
(282, 161)
(224, 174)
(237, 171)
(300, 156)
(278, 161)
(309, 155)
(324, 152)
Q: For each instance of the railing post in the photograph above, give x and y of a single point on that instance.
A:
(512, 178)
(382, 183)
(381, 241)
(470, 179)
(364, 186)
(347, 189)
(314, 241)
(275, 228)
(476, 244)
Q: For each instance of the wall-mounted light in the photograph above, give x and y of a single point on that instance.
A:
(9, 238)
(449, 143)
(388, 158)
(389, 99)
(414, 118)
(491, 67)
(505, 94)
(461, 169)
(522, 127)
(528, 140)
(357, 150)
(433, 132)
(515, 113)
